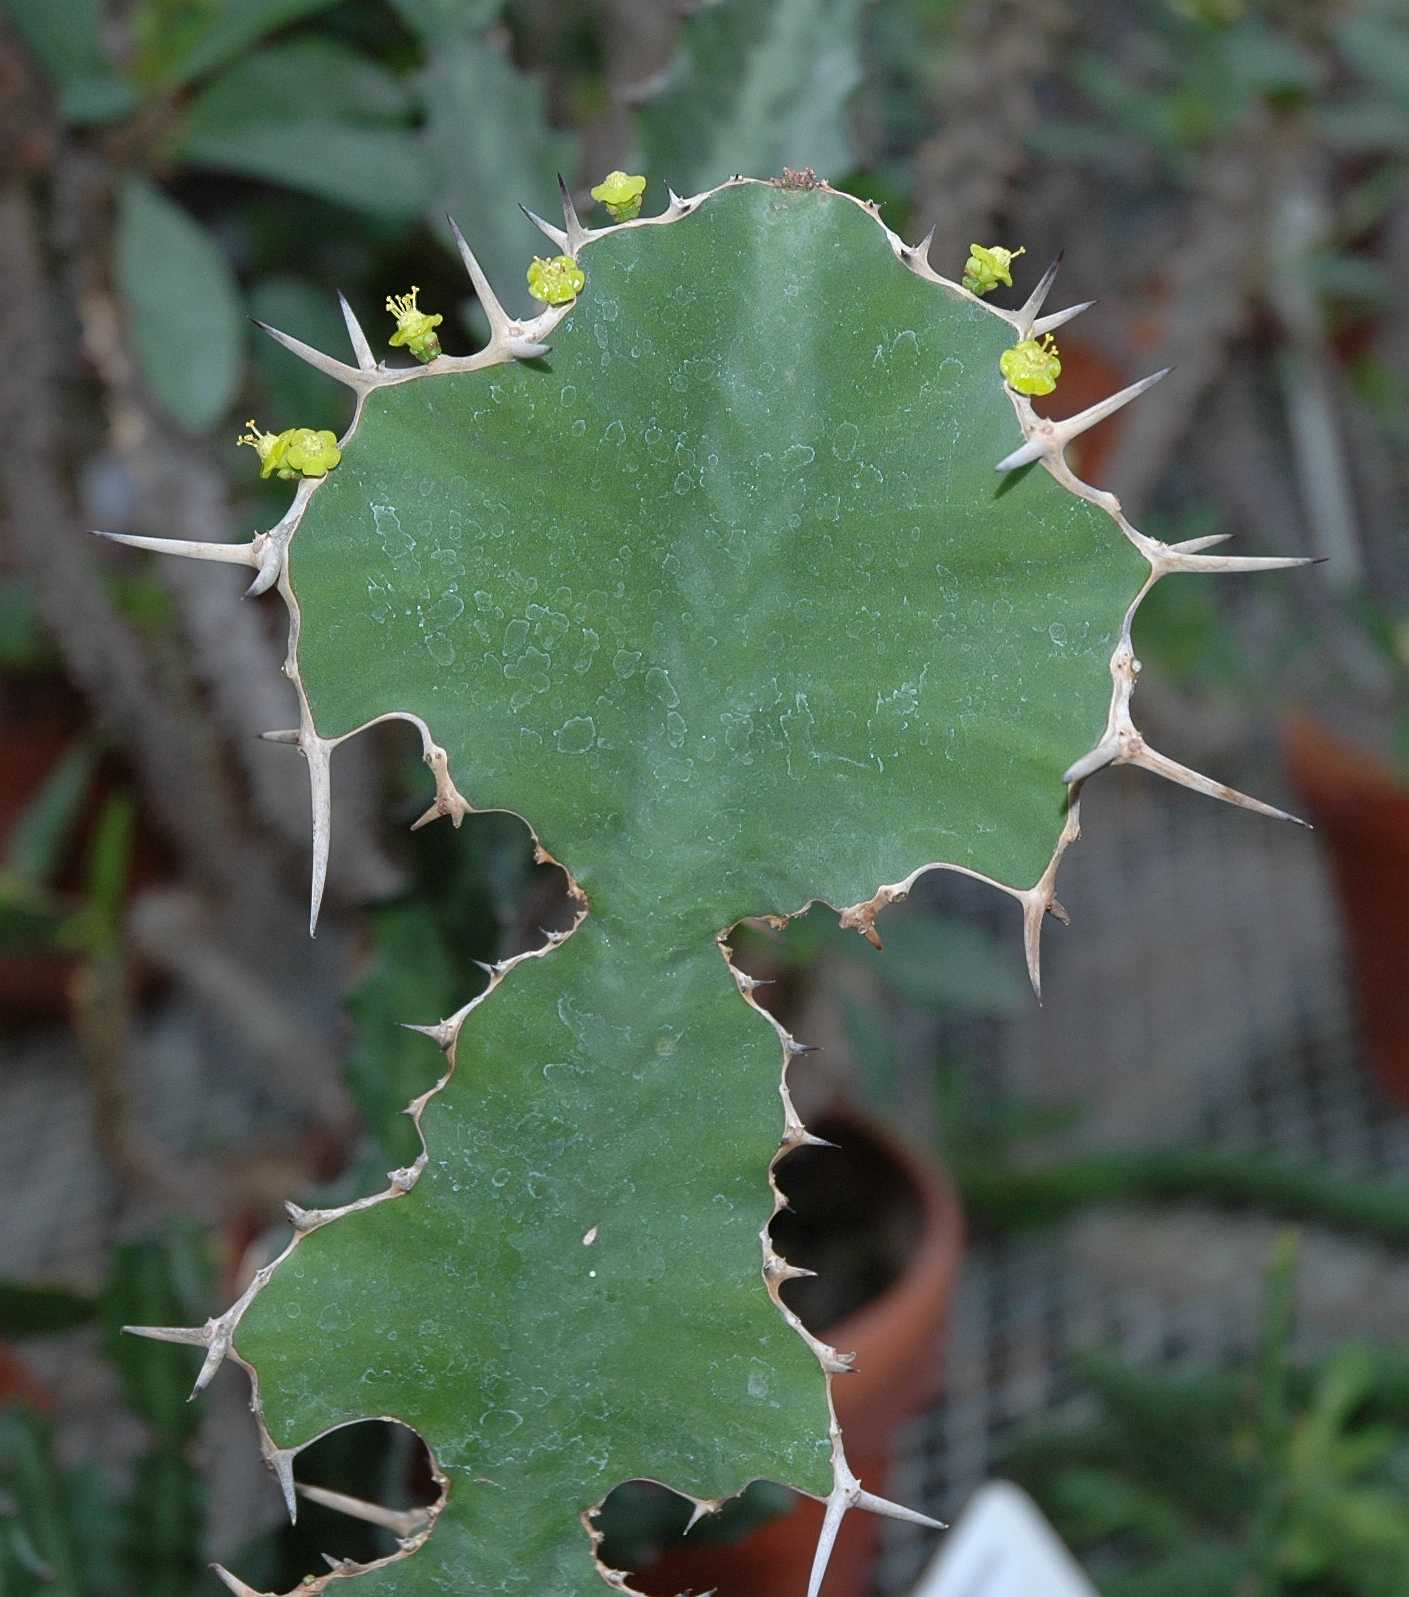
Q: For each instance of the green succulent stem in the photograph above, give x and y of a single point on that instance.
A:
(706, 573)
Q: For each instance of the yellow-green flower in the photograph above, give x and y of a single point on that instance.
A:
(295, 452)
(311, 453)
(557, 281)
(1032, 367)
(414, 329)
(621, 193)
(989, 265)
(270, 448)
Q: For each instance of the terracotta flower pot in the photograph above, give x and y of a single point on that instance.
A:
(897, 1338)
(1361, 810)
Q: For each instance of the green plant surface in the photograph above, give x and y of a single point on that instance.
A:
(724, 596)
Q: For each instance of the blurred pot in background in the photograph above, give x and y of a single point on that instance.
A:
(1360, 804)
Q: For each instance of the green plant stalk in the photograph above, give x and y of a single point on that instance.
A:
(707, 573)
(1014, 1199)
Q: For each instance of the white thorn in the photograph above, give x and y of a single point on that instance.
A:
(291, 736)
(796, 1135)
(213, 1336)
(229, 554)
(1195, 546)
(442, 1034)
(402, 1522)
(501, 324)
(888, 1510)
(351, 376)
(575, 232)
(1223, 564)
(921, 251)
(846, 1494)
(837, 1504)
(527, 349)
(1147, 759)
(1106, 750)
(1034, 914)
(1053, 436)
(215, 1357)
(281, 1461)
(1026, 318)
(553, 234)
(271, 563)
(300, 1219)
(700, 1508)
(360, 347)
(234, 1583)
(320, 795)
(1073, 426)
(187, 1335)
(1049, 324)
(1024, 454)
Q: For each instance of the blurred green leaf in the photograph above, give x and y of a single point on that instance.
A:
(183, 307)
(757, 85)
(1378, 47)
(487, 146)
(66, 38)
(939, 962)
(1095, 1504)
(162, 1527)
(1196, 1570)
(31, 1477)
(1182, 629)
(412, 977)
(434, 20)
(157, 1281)
(1340, 275)
(307, 80)
(178, 40)
(24, 644)
(31, 920)
(1268, 60)
(110, 865)
(45, 830)
(873, 1048)
(377, 169)
(1364, 125)
(1085, 143)
(1137, 108)
(299, 395)
(92, 1509)
(98, 99)
(27, 1310)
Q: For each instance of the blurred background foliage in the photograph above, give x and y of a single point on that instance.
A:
(1227, 176)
